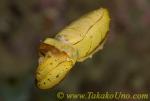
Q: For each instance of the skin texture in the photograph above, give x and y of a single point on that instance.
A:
(87, 33)
(77, 42)
(53, 66)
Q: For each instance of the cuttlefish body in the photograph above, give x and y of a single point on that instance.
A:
(77, 42)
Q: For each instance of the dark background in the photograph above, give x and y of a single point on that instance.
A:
(123, 65)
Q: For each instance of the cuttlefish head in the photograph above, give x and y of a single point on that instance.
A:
(54, 64)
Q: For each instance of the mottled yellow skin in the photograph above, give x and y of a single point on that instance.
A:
(55, 63)
(77, 42)
(53, 69)
(87, 33)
